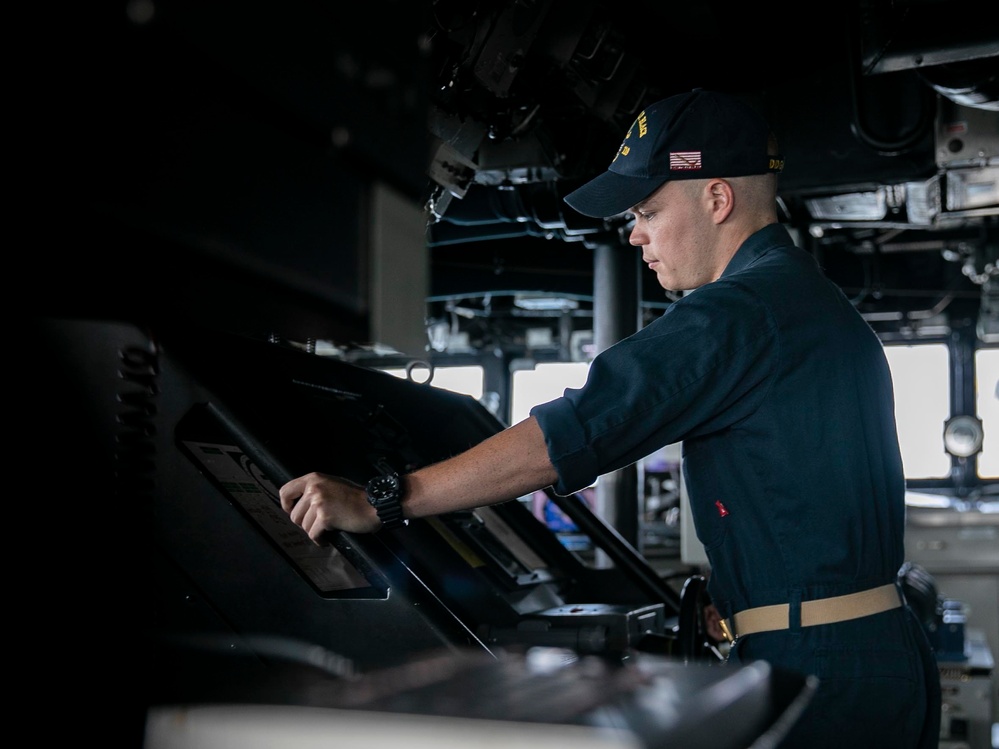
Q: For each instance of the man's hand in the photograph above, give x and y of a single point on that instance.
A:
(319, 503)
(510, 464)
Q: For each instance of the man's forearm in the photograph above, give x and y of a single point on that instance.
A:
(509, 464)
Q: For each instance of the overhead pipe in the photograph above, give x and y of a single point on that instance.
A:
(503, 212)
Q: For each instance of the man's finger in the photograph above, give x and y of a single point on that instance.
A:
(290, 493)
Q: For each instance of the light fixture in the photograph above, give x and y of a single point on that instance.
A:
(544, 303)
(963, 436)
(970, 189)
(854, 206)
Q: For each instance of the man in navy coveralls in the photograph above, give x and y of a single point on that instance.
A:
(782, 398)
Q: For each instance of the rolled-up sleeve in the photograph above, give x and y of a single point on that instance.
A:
(568, 450)
(690, 371)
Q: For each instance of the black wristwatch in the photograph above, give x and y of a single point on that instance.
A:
(385, 495)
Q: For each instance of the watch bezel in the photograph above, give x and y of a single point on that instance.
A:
(383, 487)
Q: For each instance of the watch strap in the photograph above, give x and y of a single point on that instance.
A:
(390, 513)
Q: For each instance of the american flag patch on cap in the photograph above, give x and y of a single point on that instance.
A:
(684, 160)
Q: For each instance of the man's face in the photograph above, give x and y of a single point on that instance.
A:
(672, 228)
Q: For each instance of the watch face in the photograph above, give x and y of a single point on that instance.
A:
(382, 488)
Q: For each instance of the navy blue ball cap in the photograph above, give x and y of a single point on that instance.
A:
(695, 135)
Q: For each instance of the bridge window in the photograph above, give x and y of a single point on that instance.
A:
(467, 380)
(921, 377)
(542, 383)
(987, 396)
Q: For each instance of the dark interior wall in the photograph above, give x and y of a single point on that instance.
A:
(212, 160)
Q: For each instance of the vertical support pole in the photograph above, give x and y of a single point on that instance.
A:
(616, 315)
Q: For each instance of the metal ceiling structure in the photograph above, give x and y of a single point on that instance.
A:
(887, 114)
(182, 159)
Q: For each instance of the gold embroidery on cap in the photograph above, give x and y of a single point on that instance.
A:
(643, 128)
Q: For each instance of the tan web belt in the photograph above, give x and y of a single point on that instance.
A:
(821, 611)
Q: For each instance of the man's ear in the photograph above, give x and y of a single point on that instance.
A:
(722, 199)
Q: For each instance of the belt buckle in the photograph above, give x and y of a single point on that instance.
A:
(726, 630)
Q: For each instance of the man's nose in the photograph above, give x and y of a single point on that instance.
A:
(636, 237)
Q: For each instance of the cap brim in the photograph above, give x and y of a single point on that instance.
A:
(611, 193)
